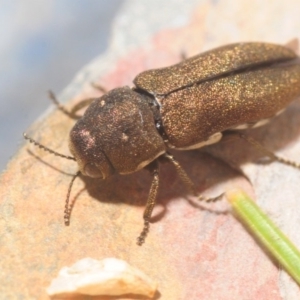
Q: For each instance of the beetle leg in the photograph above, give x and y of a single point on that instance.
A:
(83, 103)
(182, 174)
(99, 87)
(154, 168)
(270, 154)
(188, 182)
(53, 98)
(77, 107)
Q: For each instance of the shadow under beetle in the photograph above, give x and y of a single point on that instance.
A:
(185, 106)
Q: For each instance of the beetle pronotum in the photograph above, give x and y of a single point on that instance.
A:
(185, 106)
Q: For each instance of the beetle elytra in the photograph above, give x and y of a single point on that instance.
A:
(185, 106)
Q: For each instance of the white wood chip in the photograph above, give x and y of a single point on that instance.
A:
(110, 276)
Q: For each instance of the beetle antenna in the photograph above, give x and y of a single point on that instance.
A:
(68, 208)
(45, 148)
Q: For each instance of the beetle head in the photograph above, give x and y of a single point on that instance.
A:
(117, 133)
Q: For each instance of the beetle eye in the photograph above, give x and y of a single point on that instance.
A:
(92, 170)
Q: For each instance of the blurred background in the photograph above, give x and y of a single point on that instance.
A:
(43, 44)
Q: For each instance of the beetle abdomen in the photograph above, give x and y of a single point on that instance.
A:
(193, 114)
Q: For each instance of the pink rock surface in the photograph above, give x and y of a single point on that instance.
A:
(193, 251)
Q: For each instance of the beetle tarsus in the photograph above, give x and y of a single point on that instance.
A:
(212, 199)
(150, 202)
(267, 152)
(142, 237)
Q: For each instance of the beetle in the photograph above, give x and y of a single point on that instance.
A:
(185, 106)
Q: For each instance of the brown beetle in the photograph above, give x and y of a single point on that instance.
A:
(185, 106)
